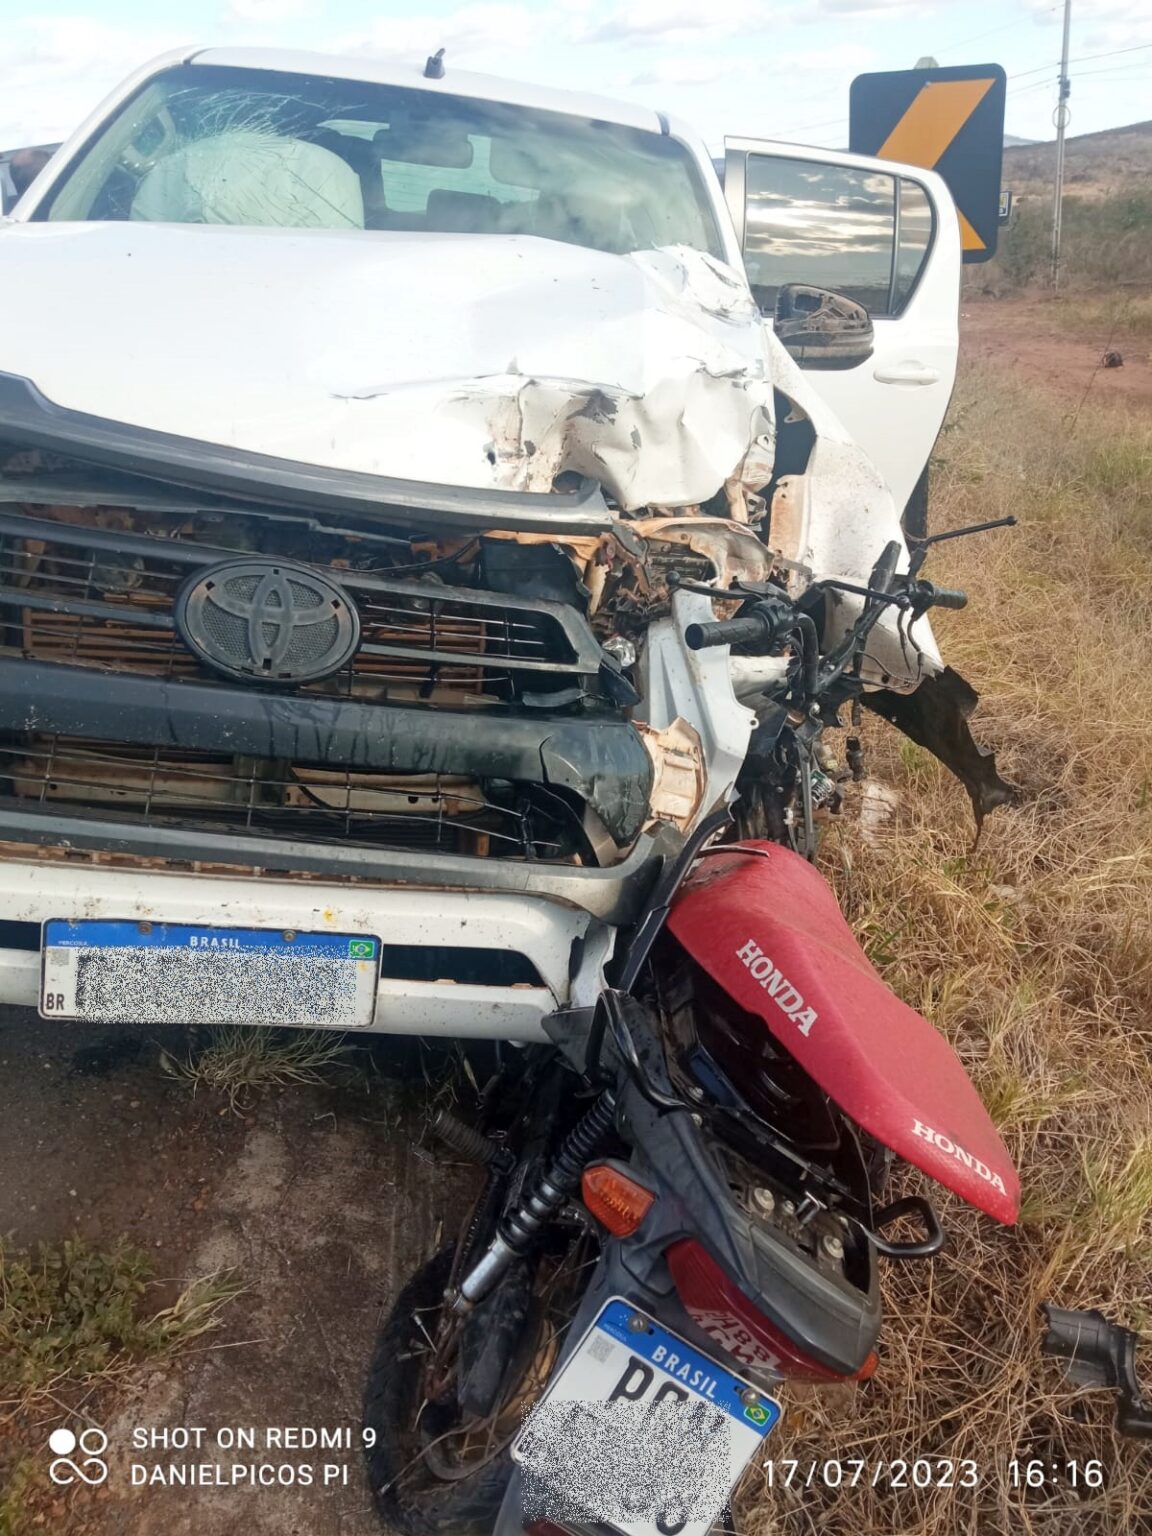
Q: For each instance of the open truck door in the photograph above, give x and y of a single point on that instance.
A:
(884, 235)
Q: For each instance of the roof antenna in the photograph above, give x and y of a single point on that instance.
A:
(434, 67)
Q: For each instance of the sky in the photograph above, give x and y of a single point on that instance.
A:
(728, 66)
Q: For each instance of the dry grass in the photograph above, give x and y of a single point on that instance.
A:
(72, 1319)
(71, 1314)
(1033, 953)
(1106, 242)
(1097, 164)
(1125, 313)
(238, 1062)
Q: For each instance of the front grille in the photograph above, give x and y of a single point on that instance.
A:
(429, 812)
(488, 771)
(102, 597)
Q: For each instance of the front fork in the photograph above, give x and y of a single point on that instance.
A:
(519, 1229)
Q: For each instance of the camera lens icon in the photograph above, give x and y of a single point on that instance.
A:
(91, 1443)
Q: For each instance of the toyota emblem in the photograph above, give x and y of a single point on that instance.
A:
(268, 620)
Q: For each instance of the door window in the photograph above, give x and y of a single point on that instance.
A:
(858, 232)
(913, 239)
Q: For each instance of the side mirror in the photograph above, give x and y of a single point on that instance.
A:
(821, 329)
(19, 168)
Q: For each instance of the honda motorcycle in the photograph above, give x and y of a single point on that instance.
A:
(684, 1203)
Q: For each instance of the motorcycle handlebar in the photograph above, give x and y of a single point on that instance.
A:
(949, 597)
(761, 626)
(745, 631)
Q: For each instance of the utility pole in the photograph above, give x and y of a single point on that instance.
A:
(1062, 115)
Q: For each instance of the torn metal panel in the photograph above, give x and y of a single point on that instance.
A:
(832, 521)
(676, 682)
(625, 572)
(752, 675)
(734, 551)
(678, 764)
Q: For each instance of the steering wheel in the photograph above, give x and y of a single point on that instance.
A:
(140, 161)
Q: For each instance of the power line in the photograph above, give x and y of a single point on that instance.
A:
(1084, 58)
(1007, 26)
(1116, 72)
(1024, 74)
(952, 48)
(1023, 90)
(1109, 76)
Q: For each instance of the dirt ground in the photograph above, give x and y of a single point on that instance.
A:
(321, 1198)
(1044, 341)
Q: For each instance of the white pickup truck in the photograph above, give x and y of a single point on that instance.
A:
(367, 435)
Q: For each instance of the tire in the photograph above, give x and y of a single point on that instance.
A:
(409, 1497)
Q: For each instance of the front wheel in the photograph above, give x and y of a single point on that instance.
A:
(435, 1467)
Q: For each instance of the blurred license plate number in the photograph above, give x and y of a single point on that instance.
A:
(627, 1356)
(173, 973)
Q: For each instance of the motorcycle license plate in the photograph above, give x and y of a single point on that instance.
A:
(172, 973)
(640, 1431)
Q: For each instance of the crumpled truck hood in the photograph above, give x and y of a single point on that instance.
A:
(481, 361)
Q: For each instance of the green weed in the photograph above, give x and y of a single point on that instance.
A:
(70, 1312)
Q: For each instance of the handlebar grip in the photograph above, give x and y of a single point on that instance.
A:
(949, 597)
(698, 637)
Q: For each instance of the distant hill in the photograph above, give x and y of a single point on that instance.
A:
(1097, 165)
(1107, 214)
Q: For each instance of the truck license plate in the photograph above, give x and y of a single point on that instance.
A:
(172, 973)
(640, 1431)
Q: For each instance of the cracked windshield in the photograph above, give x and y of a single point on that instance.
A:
(204, 145)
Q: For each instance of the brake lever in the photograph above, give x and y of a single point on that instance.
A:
(831, 583)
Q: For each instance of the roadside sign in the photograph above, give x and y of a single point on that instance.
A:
(948, 120)
(1005, 206)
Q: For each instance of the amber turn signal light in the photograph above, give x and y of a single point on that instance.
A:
(868, 1369)
(615, 1199)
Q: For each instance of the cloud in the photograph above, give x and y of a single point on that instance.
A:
(645, 21)
(268, 12)
(840, 59)
(1097, 24)
(495, 28)
(865, 8)
(684, 72)
(56, 69)
(1099, 27)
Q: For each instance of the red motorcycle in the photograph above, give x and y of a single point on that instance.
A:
(684, 1203)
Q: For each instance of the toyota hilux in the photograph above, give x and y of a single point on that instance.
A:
(370, 437)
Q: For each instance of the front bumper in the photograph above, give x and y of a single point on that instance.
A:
(562, 946)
